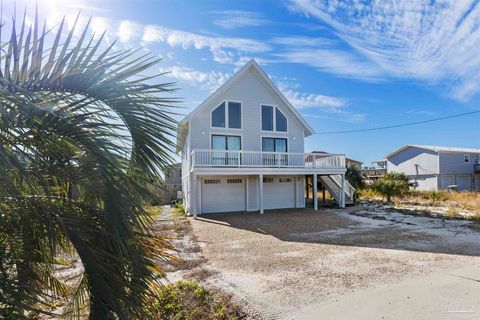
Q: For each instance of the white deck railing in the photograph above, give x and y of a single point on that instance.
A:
(258, 159)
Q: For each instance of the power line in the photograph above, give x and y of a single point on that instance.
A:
(400, 125)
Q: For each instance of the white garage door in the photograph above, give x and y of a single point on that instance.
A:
(446, 181)
(278, 192)
(220, 194)
(463, 183)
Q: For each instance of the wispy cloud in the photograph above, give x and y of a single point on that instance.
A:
(303, 41)
(128, 30)
(310, 100)
(341, 63)
(318, 105)
(154, 33)
(436, 42)
(233, 19)
(210, 80)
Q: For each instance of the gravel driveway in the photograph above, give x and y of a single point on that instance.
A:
(292, 264)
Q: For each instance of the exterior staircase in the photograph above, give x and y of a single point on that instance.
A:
(333, 184)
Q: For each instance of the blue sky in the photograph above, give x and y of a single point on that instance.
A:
(344, 65)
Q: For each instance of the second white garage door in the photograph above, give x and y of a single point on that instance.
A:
(446, 181)
(463, 183)
(221, 194)
(278, 192)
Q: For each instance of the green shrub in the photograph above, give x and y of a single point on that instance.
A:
(437, 196)
(186, 300)
(180, 209)
(392, 185)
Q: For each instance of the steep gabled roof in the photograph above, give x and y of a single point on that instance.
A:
(434, 149)
(183, 125)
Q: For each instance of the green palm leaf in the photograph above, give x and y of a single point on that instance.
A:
(81, 131)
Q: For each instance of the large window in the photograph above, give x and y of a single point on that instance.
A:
(280, 121)
(267, 118)
(274, 145)
(218, 116)
(268, 145)
(273, 118)
(226, 143)
(221, 142)
(231, 111)
(234, 115)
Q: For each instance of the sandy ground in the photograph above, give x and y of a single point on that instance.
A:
(359, 263)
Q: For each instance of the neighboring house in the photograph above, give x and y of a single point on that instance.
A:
(171, 189)
(435, 168)
(377, 170)
(243, 150)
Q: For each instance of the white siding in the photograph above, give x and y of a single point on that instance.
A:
(252, 92)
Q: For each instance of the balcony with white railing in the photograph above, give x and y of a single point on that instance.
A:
(258, 159)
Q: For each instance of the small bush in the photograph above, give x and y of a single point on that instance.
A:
(180, 209)
(392, 185)
(437, 196)
(186, 300)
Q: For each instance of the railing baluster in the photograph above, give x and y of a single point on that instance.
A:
(241, 158)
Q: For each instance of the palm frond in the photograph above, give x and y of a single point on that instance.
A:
(79, 116)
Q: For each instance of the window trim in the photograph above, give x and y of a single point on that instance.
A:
(226, 116)
(466, 158)
(275, 107)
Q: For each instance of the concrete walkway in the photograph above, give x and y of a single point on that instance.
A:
(453, 295)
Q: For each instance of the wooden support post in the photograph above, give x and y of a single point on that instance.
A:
(315, 195)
